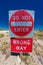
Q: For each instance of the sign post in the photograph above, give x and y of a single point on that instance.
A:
(21, 26)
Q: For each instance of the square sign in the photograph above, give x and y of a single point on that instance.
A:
(21, 24)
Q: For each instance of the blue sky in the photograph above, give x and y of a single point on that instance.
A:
(6, 5)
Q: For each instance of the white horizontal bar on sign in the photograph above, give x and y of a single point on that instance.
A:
(21, 23)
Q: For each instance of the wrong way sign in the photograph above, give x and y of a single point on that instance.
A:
(21, 23)
(21, 44)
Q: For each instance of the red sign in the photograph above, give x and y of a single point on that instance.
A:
(21, 44)
(23, 17)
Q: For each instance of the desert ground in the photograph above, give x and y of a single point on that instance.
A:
(34, 58)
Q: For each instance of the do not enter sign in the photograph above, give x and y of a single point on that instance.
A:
(21, 23)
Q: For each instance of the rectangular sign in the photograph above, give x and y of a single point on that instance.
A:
(21, 44)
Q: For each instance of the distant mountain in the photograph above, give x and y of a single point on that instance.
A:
(3, 29)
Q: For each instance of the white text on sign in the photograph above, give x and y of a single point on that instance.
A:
(21, 42)
(23, 17)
